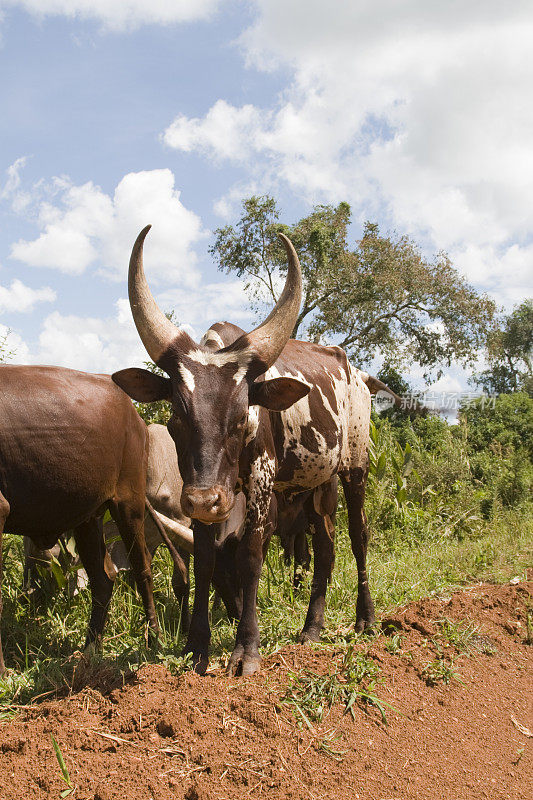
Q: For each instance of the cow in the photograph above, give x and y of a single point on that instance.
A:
(255, 412)
(72, 445)
(163, 491)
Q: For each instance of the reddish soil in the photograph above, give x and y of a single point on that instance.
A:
(210, 738)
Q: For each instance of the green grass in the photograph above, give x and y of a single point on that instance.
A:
(63, 768)
(441, 669)
(41, 644)
(461, 635)
(311, 696)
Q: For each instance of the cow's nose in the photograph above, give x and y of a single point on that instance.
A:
(207, 505)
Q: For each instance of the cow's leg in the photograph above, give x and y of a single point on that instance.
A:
(129, 517)
(29, 580)
(36, 587)
(323, 534)
(92, 552)
(226, 578)
(181, 587)
(245, 658)
(354, 484)
(302, 557)
(4, 513)
(204, 564)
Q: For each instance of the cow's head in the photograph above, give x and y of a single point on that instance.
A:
(211, 390)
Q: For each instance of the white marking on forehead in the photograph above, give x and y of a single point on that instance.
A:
(211, 337)
(187, 378)
(240, 360)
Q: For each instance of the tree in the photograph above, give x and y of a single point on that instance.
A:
(510, 353)
(381, 297)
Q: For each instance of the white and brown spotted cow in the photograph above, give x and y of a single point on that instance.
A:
(257, 413)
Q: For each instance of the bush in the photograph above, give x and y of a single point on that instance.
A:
(430, 480)
(501, 425)
(499, 439)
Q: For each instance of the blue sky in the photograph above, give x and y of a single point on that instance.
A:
(124, 112)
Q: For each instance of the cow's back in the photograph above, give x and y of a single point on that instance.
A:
(327, 431)
(64, 438)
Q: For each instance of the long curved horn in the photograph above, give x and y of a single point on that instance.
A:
(156, 331)
(184, 536)
(268, 340)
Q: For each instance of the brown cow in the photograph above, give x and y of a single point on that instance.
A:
(227, 394)
(163, 492)
(71, 445)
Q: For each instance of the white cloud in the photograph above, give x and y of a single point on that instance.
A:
(13, 178)
(225, 132)
(415, 112)
(505, 271)
(229, 205)
(11, 191)
(95, 344)
(82, 226)
(120, 14)
(19, 297)
(209, 303)
(90, 344)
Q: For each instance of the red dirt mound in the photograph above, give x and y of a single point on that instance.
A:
(455, 681)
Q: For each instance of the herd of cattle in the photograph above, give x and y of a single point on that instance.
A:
(262, 428)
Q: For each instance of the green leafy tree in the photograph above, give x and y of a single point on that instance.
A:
(510, 353)
(381, 297)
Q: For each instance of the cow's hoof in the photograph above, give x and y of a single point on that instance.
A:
(365, 625)
(243, 663)
(198, 661)
(365, 617)
(309, 635)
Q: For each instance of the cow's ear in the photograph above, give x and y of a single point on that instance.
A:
(142, 385)
(277, 394)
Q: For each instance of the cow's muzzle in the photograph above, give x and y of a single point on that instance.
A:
(207, 505)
